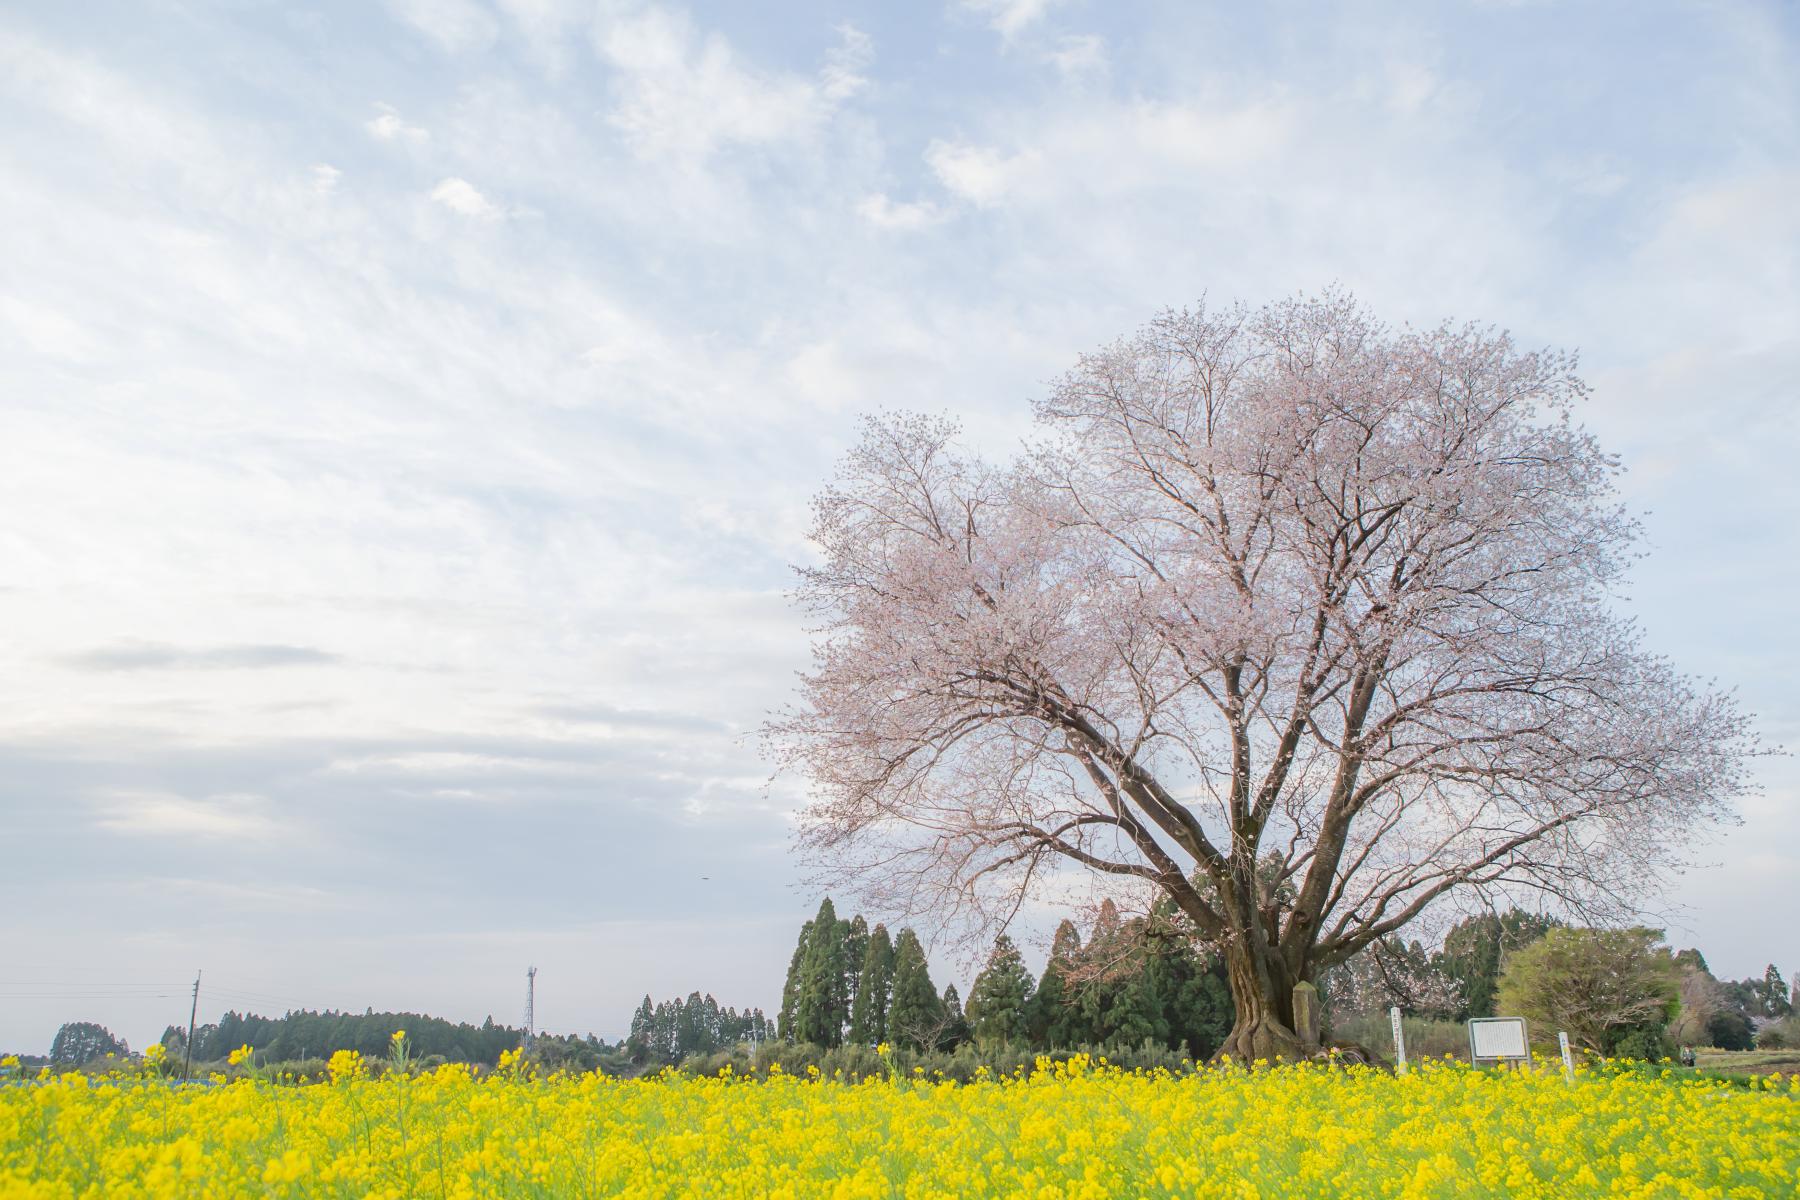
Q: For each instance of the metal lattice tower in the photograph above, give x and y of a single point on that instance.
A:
(530, 1004)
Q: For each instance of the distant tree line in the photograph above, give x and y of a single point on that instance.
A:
(676, 1030)
(1126, 985)
(305, 1034)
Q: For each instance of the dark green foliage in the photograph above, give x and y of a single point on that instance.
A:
(915, 1014)
(874, 986)
(1000, 998)
(1729, 1030)
(81, 1042)
(1647, 1042)
(1196, 1001)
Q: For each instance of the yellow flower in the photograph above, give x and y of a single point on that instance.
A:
(346, 1065)
(240, 1056)
(1074, 1129)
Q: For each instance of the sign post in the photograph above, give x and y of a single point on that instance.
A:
(1399, 1041)
(1498, 1040)
(1562, 1040)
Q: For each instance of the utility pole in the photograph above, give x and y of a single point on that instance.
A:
(530, 1004)
(187, 1061)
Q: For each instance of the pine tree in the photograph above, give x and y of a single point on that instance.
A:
(1055, 1022)
(874, 984)
(999, 999)
(820, 1011)
(915, 1014)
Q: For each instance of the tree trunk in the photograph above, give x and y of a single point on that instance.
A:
(1263, 997)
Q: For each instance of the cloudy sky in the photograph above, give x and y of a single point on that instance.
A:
(407, 416)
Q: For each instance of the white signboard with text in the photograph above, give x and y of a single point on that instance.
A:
(1499, 1039)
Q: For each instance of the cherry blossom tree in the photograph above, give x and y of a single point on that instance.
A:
(1304, 622)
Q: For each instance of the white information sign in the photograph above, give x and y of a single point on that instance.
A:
(1498, 1039)
(1399, 1041)
(1562, 1041)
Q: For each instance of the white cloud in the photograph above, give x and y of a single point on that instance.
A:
(683, 95)
(39, 327)
(325, 178)
(1079, 56)
(388, 126)
(1010, 18)
(459, 195)
(455, 25)
(884, 213)
(978, 174)
(165, 815)
(842, 76)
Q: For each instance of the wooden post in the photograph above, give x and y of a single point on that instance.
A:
(1306, 1015)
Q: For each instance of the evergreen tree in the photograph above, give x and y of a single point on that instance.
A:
(1055, 1021)
(874, 983)
(955, 1029)
(820, 1010)
(1775, 1002)
(1000, 998)
(790, 990)
(856, 945)
(638, 1041)
(1197, 1006)
(915, 1014)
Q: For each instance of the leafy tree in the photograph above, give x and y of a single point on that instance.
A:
(1365, 576)
(1601, 986)
(1000, 998)
(1730, 1030)
(80, 1042)
(916, 1012)
(874, 984)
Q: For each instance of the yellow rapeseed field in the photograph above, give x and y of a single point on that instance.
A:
(1077, 1130)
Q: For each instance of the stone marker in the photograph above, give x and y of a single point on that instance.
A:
(1306, 1015)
